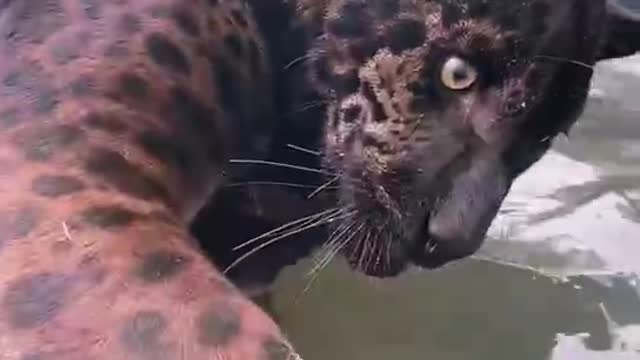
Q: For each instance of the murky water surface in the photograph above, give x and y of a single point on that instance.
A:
(558, 279)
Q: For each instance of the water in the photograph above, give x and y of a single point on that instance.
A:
(558, 279)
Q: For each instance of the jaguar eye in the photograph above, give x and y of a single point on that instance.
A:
(458, 74)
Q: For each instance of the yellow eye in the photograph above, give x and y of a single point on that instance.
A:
(458, 74)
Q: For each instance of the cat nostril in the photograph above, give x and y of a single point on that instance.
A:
(351, 113)
(514, 107)
(514, 102)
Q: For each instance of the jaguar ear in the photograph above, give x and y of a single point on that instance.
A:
(623, 29)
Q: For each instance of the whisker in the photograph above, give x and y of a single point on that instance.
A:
(365, 249)
(354, 250)
(336, 249)
(564, 60)
(387, 264)
(289, 224)
(307, 106)
(323, 187)
(327, 259)
(277, 238)
(334, 237)
(326, 250)
(278, 164)
(297, 60)
(274, 183)
(380, 251)
(303, 149)
(370, 254)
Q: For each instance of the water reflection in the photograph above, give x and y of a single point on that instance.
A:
(473, 310)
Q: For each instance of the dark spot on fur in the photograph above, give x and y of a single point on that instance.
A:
(109, 216)
(171, 151)
(351, 114)
(63, 53)
(30, 85)
(54, 186)
(275, 349)
(141, 334)
(105, 122)
(43, 143)
(84, 85)
(130, 24)
(385, 9)
(185, 21)
(346, 83)
(352, 21)
(197, 122)
(167, 54)
(161, 265)
(362, 49)
(35, 299)
(25, 22)
(125, 177)
(233, 42)
(133, 86)
(47, 101)
(405, 35)
(92, 8)
(218, 326)
(227, 77)
(16, 224)
(14, 79)
(9, 118)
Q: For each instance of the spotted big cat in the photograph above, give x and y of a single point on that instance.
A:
(120, 119)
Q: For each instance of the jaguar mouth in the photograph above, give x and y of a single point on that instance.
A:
(448, 224)
(390, 255)
(450, 231)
